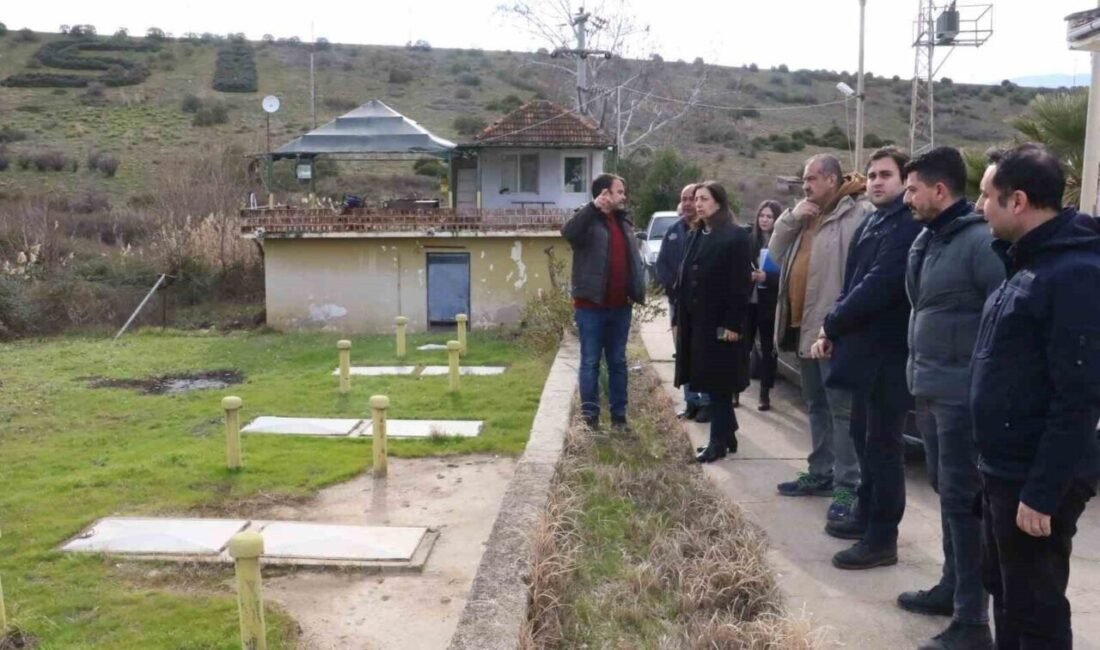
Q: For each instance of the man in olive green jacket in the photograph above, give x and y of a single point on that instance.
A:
(810, 243)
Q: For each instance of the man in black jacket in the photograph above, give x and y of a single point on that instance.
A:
(673, 248)
(1035, 396)
(607, 280)
(865, 333)
(952, 269)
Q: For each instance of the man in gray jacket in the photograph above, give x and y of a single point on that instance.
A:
(607, 281)
(810, 243)
(952, 269)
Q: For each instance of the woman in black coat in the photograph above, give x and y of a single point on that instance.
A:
(714, 288)
(765, 279)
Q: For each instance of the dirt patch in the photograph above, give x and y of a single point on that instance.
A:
(174, 383)
(458, 496)
(16, 640)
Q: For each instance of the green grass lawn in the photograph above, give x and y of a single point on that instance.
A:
(70, 454)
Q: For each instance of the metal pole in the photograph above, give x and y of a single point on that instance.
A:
(268, 121)
(1090, 175)
(312, 94)
(859, 92)
(138, 310)
(931, 79)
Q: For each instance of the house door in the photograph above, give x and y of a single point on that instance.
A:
(448, 287)
(466, 187)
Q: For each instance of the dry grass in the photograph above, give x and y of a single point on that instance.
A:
(638, 550)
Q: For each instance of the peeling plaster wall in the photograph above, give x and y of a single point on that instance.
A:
(361, 285)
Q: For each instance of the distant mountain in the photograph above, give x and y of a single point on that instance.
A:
(1052, 80)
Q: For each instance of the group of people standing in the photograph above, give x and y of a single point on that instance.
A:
(897, 294)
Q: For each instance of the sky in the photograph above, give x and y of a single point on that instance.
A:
(1028, 35)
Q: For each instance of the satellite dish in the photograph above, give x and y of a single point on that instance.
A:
(271, 103)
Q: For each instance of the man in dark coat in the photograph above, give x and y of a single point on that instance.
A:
(952, 270)
(865, 333)
(1035, 396)
(673, 248)
(607, 279)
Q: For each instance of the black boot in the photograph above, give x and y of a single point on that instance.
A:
(765, 400)
(736, 400)
(959, 636)
(711, 453)
(689, 412)
(703, 416)
(732, 442)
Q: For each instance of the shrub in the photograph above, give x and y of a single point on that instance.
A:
(753, 67)
(59, 91)
(741, 113)
(340, 103)
(463, 93)
(52, 161)
(400, 76)
(24, 161)
(872, 141)
(93, 95)
(506, 105)
(469, 79)
(10, 134)
(458, 67)
(804, 78)
(211, 114)
(25, 35)
(432, 167)
(190, 104)
(834, 138)
(322, 44)
(235, 68)
(90, 202)
(468, 124)
(106, 164)
(783, 68)
(3, 29)
(4, 162)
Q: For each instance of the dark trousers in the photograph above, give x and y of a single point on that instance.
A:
(760, 322)
(878, 415)
(1027, 576)
(952, 460)
(723, 421)
(603, 333)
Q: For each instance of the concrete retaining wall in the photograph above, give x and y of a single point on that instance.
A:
(497, 605)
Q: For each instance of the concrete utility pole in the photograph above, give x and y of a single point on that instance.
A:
(859, 92)
(579, 23)
(1084, 34)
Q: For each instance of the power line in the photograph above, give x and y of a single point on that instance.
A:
(734, 108)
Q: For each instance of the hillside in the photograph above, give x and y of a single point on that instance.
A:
(145, 126)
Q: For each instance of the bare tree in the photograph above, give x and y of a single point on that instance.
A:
(622, 88)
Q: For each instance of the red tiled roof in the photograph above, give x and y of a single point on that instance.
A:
(540, 123)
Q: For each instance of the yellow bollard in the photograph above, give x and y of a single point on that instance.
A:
(246, 549)
(232, 406)
(461, 320)
(402, 324)
(3, 613)
(344, 346)
(378, 406)
(453, 350)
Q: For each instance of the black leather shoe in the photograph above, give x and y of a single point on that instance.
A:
(736, 400)
(703, 416)
(689, 412)
(937, 601)
(960, 636)
(845, 529)
(733, 442)
(620, 425)
(765, 401)
(863, 556)
(710, 454)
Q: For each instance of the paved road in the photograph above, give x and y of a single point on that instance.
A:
(857, 606)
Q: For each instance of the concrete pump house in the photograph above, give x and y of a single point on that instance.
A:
(353, 270)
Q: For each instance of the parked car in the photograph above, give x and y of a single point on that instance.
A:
(651, 237)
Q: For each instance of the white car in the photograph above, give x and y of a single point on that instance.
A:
(651, 238)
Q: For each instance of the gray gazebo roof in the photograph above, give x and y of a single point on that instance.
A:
(373, 128)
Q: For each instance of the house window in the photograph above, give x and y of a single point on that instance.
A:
(576, 174)
(519, 173)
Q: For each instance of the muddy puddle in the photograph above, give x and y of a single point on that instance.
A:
(172, 384)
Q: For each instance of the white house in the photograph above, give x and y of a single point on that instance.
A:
(539, 156)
